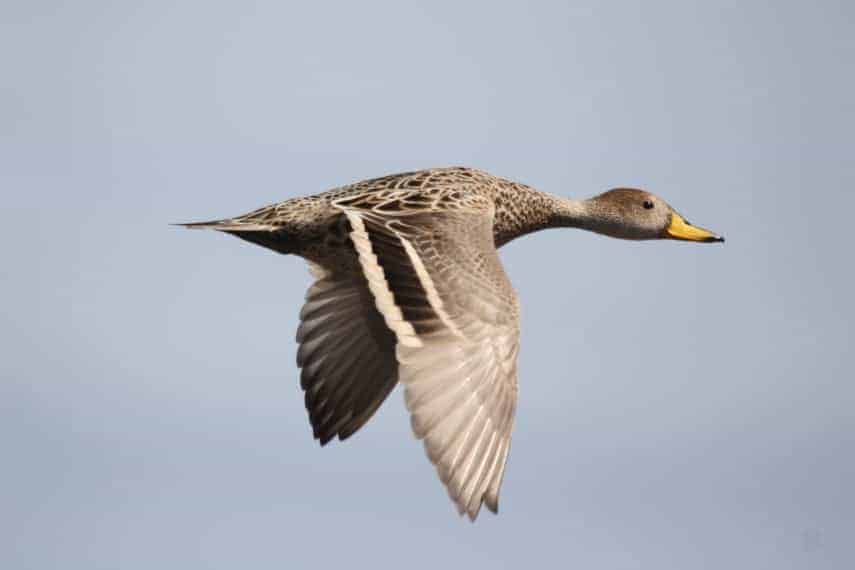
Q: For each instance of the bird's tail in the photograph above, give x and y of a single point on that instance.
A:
(230, 225)
(268, 235)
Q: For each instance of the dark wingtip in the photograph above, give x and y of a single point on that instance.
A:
(491, 506)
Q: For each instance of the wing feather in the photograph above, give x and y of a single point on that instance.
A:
(346, 352)
(437, 281)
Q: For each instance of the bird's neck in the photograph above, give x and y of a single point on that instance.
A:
(522, 210)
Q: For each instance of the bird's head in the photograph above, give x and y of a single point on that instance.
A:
(628, 213)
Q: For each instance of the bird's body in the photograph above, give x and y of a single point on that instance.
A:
(311, 226)
(409, 288)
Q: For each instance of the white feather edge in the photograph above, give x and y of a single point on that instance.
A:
(430, 288)
(378, 285)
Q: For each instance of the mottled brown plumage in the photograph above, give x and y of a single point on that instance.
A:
(409, 287)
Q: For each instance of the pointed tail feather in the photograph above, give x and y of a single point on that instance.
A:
(269, 236)
(229, 225)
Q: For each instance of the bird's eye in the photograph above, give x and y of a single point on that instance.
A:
(648, 204)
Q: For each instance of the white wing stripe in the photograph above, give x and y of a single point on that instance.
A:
(430, 288)
(378, 285)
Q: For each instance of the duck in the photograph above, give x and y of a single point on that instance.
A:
(408, 287)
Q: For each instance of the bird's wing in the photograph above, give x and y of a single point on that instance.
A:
(436, 278)
(347, 353)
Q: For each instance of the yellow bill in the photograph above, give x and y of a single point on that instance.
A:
(679, 228)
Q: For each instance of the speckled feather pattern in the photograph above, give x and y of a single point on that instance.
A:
(312, 226)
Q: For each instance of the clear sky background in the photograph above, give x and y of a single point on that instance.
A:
(681, 406)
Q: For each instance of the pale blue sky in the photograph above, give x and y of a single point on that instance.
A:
(680, 406)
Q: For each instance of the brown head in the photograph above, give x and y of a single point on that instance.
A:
(628, 213)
